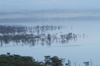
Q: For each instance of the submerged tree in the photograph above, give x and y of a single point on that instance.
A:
(86, 63)
(69, 63)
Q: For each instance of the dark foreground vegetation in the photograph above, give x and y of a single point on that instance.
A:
(17, 60)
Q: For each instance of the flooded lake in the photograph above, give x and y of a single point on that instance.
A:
(85, 48)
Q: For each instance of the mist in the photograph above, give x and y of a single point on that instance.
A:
(17, 5)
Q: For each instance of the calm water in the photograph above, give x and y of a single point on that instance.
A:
(81, 50)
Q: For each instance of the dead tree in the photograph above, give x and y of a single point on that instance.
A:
(86, 63)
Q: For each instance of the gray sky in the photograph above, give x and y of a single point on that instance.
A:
(13, 5)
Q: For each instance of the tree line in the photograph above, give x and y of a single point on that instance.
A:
(17, 60)
(20, 29)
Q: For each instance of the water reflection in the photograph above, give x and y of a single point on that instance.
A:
(18, 34)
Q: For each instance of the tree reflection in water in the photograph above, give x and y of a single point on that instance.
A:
(33, 35)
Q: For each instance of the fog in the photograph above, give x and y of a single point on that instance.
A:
(81, 17)
(16, 5)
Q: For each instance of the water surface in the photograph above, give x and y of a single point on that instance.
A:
(81, 50)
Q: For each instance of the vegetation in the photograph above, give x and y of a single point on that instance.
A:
(17, 60)
(19, 29)
(53, 61)
(32, 39)
(24, 34)
(31, 35)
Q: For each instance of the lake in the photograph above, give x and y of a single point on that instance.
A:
(85, 48)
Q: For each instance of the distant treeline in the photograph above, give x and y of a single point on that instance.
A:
(32, 35)
(7, 29)
(20, 29)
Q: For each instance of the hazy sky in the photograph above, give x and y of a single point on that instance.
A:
(6, 5)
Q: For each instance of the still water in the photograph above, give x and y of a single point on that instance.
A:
(84, 49)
